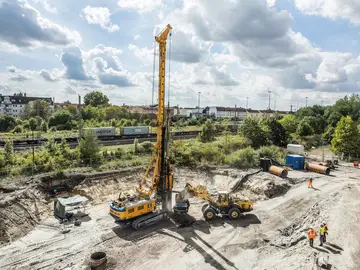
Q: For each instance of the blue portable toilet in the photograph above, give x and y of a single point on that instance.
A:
(297, 162)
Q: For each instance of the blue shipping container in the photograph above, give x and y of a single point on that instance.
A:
(297, 162)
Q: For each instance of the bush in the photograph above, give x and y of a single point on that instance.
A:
(273, 152)
(147, 146)
(208, 132)
(18, 129)
(120, 152)
(245, 158)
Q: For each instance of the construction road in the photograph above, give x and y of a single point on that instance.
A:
(273, 236)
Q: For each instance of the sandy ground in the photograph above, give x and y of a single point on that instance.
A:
(270, 237)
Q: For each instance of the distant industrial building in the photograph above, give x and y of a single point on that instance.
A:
(15, 105)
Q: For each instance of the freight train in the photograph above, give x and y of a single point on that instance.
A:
(103, 134)
(109, 133)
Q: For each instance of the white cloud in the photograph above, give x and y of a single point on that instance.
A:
(47, 5)
(141, 6)
(333, 9)
(144, 54)
(24, 26)
(48, 76)
(100, 16)
(136, 37)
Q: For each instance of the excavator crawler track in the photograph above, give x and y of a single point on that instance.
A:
(148, 220)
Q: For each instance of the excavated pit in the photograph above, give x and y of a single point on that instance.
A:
(24, 206)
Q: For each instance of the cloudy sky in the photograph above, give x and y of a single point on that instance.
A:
(227, 50)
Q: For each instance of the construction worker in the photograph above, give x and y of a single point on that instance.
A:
(325, 231)
(311, 236)
(322, 234)
(310, 183)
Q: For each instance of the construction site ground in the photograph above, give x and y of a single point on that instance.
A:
(272, 236)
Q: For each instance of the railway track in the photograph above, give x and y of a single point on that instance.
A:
(19, 148)
(70, 140)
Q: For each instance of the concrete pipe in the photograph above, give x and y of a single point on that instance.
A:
(98, 261)
(281, 172)
(318, 168)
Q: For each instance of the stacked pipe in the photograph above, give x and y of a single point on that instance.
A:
(279, 171)
(317, 168)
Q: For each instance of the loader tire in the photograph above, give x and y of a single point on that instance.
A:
(203, 208)
(234, 213)
(209, 213)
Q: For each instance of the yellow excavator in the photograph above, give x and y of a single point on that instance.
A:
(153, 198)
(219, 203)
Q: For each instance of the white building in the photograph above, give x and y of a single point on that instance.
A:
(15, 105)
(241, 113)
(226, 112)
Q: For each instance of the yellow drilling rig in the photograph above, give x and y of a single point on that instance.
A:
(153, 198)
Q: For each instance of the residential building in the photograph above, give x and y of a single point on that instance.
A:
(15, 105)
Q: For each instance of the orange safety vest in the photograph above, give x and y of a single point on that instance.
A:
(311, 234)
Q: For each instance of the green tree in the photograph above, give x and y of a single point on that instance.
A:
(253, 131)
(90, 112)
(65, 149)
(346, 137)
(44, 127)
(304, 128)
(276, 132)
(89, 148)
(9, 152)
(7, 123)
(290, 123)
(208, 132)
(61, 119)
(39, 108)
(32, 125)
(96, 99)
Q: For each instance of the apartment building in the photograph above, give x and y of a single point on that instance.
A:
(15, 105)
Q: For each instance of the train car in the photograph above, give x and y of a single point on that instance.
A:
(130, 131)
(102, 131)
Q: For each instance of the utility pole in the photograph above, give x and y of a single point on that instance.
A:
(199, 104)
(269, 99)
(297, 106)
(247, 102)
(306, 101)
(80, 121)
(322, 103)
(291, 108)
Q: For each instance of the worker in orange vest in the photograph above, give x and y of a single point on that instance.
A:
(311, 236)
(310, 183)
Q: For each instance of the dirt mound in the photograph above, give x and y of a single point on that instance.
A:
(264, 185)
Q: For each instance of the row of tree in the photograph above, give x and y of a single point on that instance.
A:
(338, 125)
